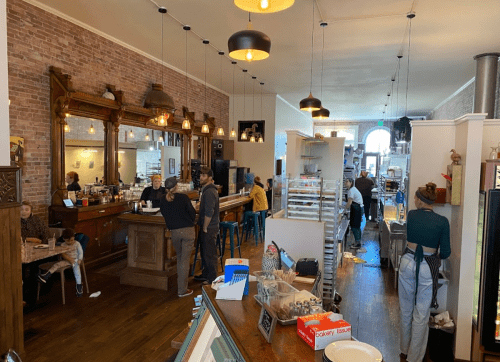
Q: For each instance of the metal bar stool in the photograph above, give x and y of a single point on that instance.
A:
(251, 221)
(219, 247)
(232, 226)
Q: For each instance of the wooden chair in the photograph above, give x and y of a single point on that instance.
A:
(83, 240)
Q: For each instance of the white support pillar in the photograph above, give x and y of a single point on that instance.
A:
(4, 89)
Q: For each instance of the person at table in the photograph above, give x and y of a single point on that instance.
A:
(208, 222)
(153, 193)
(355, 204)
(365, 185)
(32, 228)
(179, 215)
(72, 181)
(418, 272)
(72, 257)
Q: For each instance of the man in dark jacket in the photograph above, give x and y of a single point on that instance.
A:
(208, 222)
(365, 185)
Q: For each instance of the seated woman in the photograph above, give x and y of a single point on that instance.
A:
(32, 228)
(258, 195)
(153, 193)
(72, 181)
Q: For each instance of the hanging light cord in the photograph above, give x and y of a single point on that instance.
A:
(244, 96)
(261, 102)
(322, 52)
(220, 109)
(253, 100)
(397, 89)
(312, 52)
(205, 78)
(186, 68)
(234, 66)
(162, 64)
(408, 72)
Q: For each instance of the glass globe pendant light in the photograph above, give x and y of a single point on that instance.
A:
(310, 103)
(263, 6)
(249, 44)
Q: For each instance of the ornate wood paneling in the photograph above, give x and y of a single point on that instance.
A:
(11, 309)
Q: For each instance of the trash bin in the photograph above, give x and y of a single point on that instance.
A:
(440, 344)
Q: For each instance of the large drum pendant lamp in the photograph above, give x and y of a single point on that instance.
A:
(249, 44)
(263, 6)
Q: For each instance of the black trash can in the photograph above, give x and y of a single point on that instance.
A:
(440, 344)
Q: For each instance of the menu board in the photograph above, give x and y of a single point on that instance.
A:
(267, 322)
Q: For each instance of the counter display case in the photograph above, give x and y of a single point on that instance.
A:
(315, 199)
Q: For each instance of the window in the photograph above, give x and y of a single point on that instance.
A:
(378, 140)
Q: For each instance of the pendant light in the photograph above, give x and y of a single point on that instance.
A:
(233, 132)
(310, 103)
(244, 134)
(261, 139)
(91, 129)
(322, 113)
(147, 138)
(160, 103)
(185, 123)
(66, 127)
(220, 130)
(263, 6)
(204, 128)
(249, 44)
(131, 134)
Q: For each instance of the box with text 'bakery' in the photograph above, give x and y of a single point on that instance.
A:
(319, 331)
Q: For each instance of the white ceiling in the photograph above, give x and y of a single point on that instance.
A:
(361, 43)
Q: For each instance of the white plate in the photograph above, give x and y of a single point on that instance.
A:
(153, 209)
(352, 351)
(41, 246)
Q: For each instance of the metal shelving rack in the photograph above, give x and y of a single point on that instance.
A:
(316, 199)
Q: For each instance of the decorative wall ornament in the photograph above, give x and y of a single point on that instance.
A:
(251, 128)
(10, 186)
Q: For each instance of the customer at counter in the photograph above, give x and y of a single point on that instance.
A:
(153, 193)
(208, 220)
(365, 185)
(179, 217)
(418, 272)
(72, 181)
(355, 204)
(258, 195)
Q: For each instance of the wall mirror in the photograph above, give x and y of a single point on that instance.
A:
(144, 152)
(84, 149)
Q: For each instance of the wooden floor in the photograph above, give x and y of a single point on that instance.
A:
(127, 323)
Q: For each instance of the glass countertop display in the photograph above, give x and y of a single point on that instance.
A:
(479, 250)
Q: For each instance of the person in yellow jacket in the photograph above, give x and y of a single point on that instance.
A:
(258, 195)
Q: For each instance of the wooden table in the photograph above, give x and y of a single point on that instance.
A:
(238, 321)
(39, 254)
(151, 259)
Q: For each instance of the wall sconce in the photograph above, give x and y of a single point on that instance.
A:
(220, 131)
(204, 128)
(233, 133)
(186, 124)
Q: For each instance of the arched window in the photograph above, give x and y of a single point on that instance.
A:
(378, 140)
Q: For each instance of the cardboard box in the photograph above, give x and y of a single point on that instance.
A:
(324, 332)
(236, 264)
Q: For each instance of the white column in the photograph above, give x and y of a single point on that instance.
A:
(4, 89)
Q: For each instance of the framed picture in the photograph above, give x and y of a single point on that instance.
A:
(251, 128)
(16, 151)
(171, 165)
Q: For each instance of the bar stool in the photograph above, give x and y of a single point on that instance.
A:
(251, 221)
(232, 226)
(263, 215)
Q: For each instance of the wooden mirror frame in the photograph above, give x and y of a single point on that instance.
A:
(114, 113)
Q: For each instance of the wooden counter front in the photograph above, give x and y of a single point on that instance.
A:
(237, 321)
(151, 260)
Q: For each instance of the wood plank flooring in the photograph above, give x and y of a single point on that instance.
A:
(129, 323)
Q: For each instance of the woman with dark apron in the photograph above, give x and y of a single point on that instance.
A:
(355, 204)
(418, 272)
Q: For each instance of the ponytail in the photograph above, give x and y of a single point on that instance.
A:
(170, 195)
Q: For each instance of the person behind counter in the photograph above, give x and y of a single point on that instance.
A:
(208, 221)
(179, 217)
(418, 272)
(269, 193)
(355, 203)
(153, 193)
(72, 181)
(365, 185)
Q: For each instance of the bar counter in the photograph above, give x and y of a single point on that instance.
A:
(151, 259)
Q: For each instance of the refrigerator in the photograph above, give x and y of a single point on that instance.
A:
(486, 313)
(225, 175)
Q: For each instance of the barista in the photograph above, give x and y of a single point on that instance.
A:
(153, 193)
(72, 181)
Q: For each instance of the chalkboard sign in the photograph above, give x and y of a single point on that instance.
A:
(267, 322)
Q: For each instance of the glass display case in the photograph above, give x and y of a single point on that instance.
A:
(486, 294)
(479, 251)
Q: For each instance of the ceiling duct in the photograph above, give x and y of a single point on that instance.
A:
(486, 83)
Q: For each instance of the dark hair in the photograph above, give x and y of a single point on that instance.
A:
(350, 180)
(74, 176)
(427, 193)
(256, 181)
(68, 234)
(27, 203)
(270, 182)
(207, 171)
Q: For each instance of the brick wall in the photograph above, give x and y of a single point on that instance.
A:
(36, 40)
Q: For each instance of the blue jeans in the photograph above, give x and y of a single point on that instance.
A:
(414, 329)
(63, 263)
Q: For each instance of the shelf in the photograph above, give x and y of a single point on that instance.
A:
(316, 141)
(311, 157)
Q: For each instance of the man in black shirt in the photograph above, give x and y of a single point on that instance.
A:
(208, 222)
(365, 185)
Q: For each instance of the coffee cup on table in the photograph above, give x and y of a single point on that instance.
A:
(149, 204)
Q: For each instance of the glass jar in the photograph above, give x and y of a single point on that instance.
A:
(493, 153)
